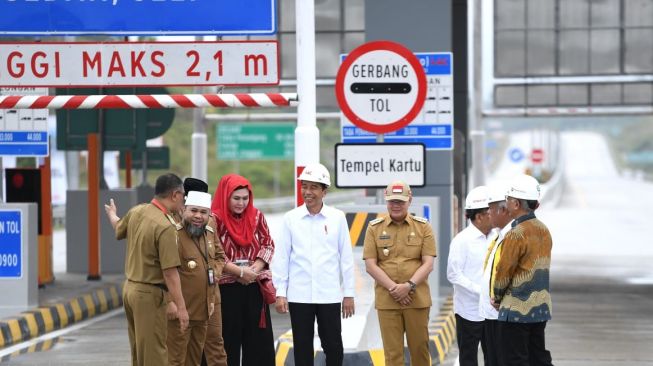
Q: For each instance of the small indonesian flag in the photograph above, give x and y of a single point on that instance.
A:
(397, 189)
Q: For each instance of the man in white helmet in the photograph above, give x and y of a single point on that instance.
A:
(465, 270)
(500, 219)
(521, 288)
(313, 270)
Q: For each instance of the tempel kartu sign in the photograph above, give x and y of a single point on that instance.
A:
(50, 64)
(381, 86)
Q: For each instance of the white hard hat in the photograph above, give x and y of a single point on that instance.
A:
(477, 198)
(199, 199)
(524, 187)
(317, 173)
(496, 192)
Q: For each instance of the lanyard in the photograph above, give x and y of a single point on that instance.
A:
(204, 255)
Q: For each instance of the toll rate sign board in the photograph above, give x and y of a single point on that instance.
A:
(11, 264)
(433, 125)
(24, 132)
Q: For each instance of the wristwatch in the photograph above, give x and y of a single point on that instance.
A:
(412, 285)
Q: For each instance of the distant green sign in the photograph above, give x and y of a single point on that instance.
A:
(157, 158)
(256, 141)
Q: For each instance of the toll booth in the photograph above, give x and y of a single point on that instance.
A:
(18, 257)
(112, 251)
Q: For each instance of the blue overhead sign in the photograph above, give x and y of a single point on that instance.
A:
(433, 126)
(137, 17)
(11, 264)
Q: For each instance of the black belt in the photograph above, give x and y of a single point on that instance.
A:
(159, 285)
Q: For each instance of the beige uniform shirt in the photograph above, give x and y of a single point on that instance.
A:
(197, 256)
(398, 249)
(151, 243)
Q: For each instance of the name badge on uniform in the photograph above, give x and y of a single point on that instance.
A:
(384, 237)
(211, 276)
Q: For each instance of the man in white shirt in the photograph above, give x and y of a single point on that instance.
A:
(464, 271)
(313, 270)
(500, 220)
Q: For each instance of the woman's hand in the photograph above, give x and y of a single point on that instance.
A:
(249, 276)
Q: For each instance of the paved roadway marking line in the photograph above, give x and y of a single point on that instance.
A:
(377, 357)
(58, 333)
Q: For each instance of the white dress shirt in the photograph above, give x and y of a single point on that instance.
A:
(485, 309)
(465, 270)
(313, 261)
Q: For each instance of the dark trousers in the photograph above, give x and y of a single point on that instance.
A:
(468, 335)
(302, 318)
(492, 345)
(241, 312)
(523, 344)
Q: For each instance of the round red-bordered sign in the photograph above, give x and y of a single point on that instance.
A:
(416, 80)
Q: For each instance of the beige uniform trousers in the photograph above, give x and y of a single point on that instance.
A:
(145, 309)
(214, 345)
(414, 322)
(185, 348)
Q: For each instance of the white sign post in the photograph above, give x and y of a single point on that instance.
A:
(381, 86)
(376, 165)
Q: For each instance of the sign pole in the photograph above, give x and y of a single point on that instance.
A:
(307, 136)
(379, 192)
(93, 207)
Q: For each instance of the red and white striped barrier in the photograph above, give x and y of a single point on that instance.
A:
(148, 101)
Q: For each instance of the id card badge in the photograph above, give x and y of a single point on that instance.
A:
(211, 276)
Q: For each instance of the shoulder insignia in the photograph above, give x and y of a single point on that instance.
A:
(377, 221)
(209, 229)
(420, 219)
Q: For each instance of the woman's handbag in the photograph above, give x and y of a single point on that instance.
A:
(269, 297)
(267, 290)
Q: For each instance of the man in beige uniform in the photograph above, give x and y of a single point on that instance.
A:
(198, 272)
(151, 263)
(398, 252)
(214, 352)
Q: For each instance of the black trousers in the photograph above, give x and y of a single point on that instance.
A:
(492, 345)
(329, 328)
(523, 344)
(241, 312)
(468, 335)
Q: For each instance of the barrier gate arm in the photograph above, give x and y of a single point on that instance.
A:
(239, 100)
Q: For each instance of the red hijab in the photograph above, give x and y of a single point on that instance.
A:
(240, 229)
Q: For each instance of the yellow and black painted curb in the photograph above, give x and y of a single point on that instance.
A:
(358, 222)
(39, 321)
(442, 333)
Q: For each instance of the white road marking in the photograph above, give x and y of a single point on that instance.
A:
(58, 333)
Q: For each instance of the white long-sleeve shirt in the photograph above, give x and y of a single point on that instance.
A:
(465, 270)
(485, 309)
(313, 261)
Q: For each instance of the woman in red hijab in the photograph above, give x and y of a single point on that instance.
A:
(248, 246)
